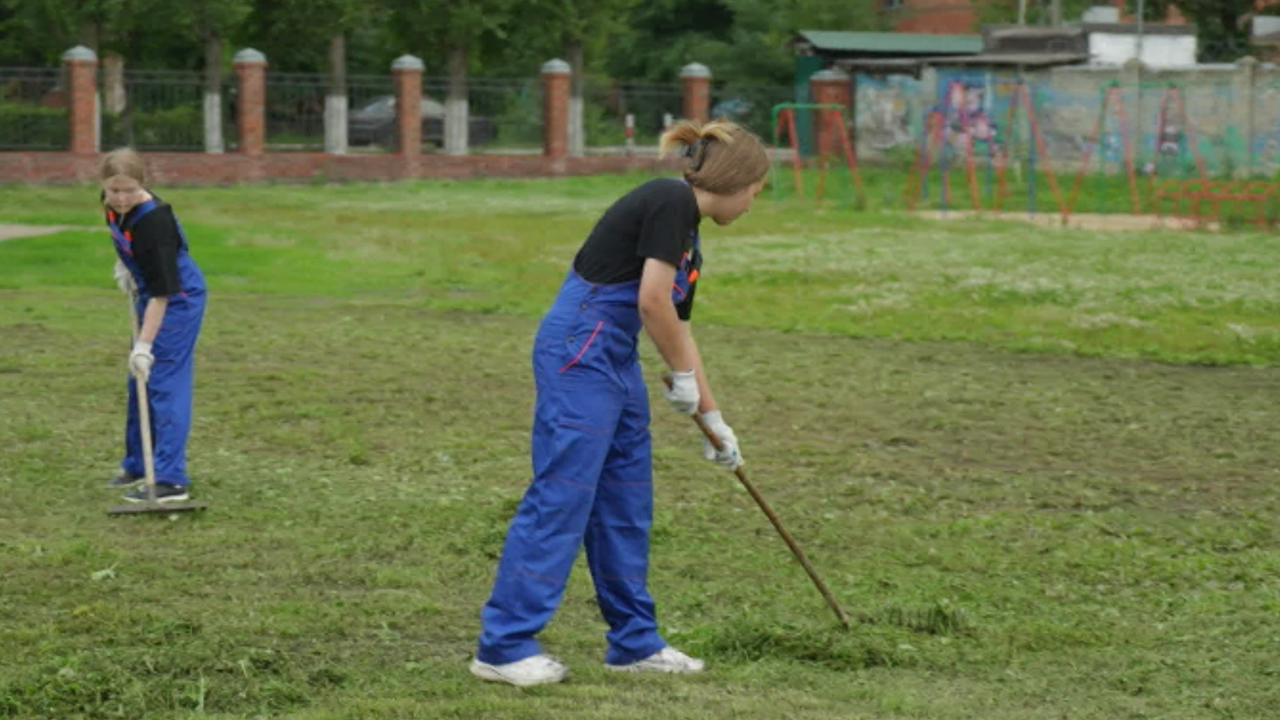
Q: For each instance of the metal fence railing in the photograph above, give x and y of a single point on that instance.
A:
(750, 105)
(371, 112)
(162, 110)
(33, 109)
(295, 111)
(502, 113)
(506, 114)
(606, 105)
(1177, 121)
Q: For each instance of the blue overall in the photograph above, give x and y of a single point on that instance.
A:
(170, 382)
(593, 472)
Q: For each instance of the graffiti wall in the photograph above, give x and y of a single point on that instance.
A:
(887, 111)
(1180, 122)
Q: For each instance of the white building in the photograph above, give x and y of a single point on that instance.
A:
(1156, 45)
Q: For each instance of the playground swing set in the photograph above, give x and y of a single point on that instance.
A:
(831, 131)
(952, 125)
(1172, 182)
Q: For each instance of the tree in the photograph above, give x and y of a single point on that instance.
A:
(213, 21)
(464, 30)
(40, 31)
(1222, 25)
(576, 29)
(740, 40)
(321, 41)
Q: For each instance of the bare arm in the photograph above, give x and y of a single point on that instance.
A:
(706, 401)
(658, 314)
(152, 316)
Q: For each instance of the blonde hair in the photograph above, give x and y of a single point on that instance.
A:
(724, 157)
(124, 161)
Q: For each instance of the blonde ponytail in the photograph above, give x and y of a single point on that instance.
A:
(724, 157)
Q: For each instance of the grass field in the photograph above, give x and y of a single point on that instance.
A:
(1037, 465)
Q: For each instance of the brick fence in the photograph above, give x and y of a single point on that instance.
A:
(250, 162)
(208, 168)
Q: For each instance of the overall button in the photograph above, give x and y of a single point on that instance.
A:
(583, 306)
(570, 338)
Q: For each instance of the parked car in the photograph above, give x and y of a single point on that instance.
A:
(755, 116)
(735, 109)
(375, 124)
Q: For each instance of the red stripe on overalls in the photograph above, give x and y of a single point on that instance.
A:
(578, 357)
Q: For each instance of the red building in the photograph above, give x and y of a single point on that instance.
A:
(949, 17)
(939, 17)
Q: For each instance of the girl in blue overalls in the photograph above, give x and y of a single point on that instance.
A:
(155, 268)
(591, 450)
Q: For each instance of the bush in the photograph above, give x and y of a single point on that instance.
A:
(31, 127)
(180, 127)
(519, 122)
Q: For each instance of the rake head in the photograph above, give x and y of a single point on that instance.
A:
(156, 508)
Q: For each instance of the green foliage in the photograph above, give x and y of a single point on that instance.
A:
(303, 47)
(1222, 34)
(519, 121)
(33, 126)
(742, 40)
(432, 29)
(180, 126)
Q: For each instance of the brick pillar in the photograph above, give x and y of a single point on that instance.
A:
(695, 92)
(407, 70)
(81, 65)
(555, 108)
(829, 87)
(251, 100)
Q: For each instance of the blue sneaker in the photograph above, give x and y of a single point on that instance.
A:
(165, 493)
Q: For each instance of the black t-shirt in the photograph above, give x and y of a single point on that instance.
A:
(155, 247)
(658, 219)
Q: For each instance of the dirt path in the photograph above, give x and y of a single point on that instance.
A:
(1080, 221)
(10, 232)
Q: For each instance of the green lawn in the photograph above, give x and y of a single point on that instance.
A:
(1062, 441)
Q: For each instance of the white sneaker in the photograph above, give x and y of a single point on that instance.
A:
(667, 660)
(535, 670)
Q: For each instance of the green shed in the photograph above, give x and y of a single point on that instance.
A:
(873, 53)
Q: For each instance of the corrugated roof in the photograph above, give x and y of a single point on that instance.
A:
(891, 43)
(1028, 59)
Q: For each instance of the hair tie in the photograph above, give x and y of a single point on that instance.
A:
(697, 154)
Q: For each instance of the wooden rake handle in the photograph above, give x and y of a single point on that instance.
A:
(777, 524)
(144, 410)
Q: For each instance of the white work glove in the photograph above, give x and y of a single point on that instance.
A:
(124, 279)
(729, 456)
(682, 391)
(141, 360)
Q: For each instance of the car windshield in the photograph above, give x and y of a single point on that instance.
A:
(387, 102)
